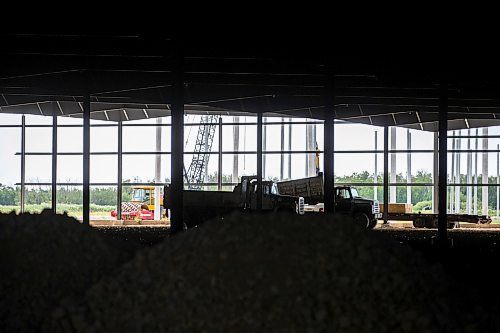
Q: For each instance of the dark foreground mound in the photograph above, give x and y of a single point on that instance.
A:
(257, 273)
(45, 258)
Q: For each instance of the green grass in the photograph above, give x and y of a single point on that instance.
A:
(71, 209)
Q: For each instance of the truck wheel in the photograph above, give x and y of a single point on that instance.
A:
(362, 219)
(419, 222)
(373, 224)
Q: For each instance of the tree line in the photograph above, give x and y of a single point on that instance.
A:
(107, 196)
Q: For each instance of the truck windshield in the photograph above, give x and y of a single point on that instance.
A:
(354, 193)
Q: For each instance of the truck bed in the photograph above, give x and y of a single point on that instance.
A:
(479, 219)
(212, 199)
(311, 189)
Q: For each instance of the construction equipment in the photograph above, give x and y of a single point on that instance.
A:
(366, 211)
(195, 174)
(142, 204)
(200, 206)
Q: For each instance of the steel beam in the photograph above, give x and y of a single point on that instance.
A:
(86, 158)
(443, 148)
(328, 129)
(177, 140)
(54, 164)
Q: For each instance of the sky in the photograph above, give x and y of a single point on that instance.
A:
(104, 139)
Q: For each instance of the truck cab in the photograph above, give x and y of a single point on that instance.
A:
(271, 198)
(365, 212)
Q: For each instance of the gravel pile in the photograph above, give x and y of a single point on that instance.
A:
(46, 258)
(256, 273)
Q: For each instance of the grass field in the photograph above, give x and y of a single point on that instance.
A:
(72, 210)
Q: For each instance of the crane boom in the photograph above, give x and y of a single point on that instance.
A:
(197, 170)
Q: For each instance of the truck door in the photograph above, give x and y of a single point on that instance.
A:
(343, 200)
(267, 203)
(253, 195)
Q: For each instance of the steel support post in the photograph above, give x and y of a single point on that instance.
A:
(86, 158)
(282, 155)
(375, 174)
(119, 189)
(328, 129)
(386, 174)
(23, 164)
(219, 173)
(259, 161)
(289, 149)
(177, 140)
(443, 151)
(54, 164)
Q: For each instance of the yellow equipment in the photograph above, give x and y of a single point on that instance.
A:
(145, 197)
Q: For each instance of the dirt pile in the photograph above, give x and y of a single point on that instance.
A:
(46, 258)
(256, 273)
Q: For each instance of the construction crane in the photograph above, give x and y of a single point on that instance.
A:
(195, 174)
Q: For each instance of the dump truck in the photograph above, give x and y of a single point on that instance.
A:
(200, 206)
(364, 212)
(142, 205)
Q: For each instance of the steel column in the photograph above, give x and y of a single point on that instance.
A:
(475, 173)
(157, 190)
(435, 181)
(54, 164)
(23, 163)
(452, 175)
(393, 190)
(328, 128)
(177, 140)
(386, 174)
(259, 161)
(469, 176)
(86, 158)
(282, 155)
(498, 180)
(408, 166)
(219, 175)
(375, 174)
(264, 144)
(289, 149)
(443, 167)
(236, 147)
(119, 188)
(484, 174)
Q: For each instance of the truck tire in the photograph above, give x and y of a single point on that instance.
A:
(361, 219)
(373, 224)
(419, 222)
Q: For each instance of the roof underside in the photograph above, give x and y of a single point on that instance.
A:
(130, 77)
